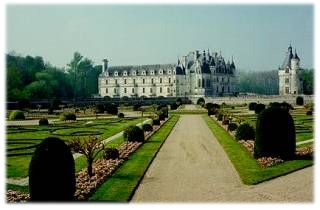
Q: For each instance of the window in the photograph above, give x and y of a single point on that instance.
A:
(160, 89)
(222, 80)
(134, 81)
(152, 81)
(287, 90)
(106, 81)
(150, 90)
(116, 81)
(143, 81)
(169, 71)
(199, 83)
(125, 81)
(228, 89)
(217, 79)
(132, 90)
(203, 83)
(160, 80)
(114, 91)
(217, 90)
(168, 90)
(287, 80)
(142, 90)
(160, 71)
(169, 80)
(125, 90)
(124, 73)
(106, 90)
(115, 73)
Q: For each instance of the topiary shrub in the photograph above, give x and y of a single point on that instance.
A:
(284, 105)
(17, 115)
(259, 108)
(111, 109)
(133, 133)
(121, 115)
(99, 108)
(225, 122)
(309, 112)
(252, 106)
(147, 127)
(111, 153)
(136, 107)
(212, 111)
(232, 127)
(52, 172)
(245, 132)
(67, 116)
(275, 134)
(173, 106)
(201, 102)
(299, 101)
(43, 121)
(219, 116)
(156, 121)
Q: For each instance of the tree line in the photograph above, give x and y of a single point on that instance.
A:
(267, 82)
(31, 78)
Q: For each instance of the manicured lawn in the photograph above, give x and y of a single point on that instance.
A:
(248, 169)
(22, 140)
(24, 189)
(122, 184)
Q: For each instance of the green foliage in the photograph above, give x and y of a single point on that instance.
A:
(17, 115)
(307, 77)
(136, 107)
(156, 121)
(210, 106)
(225, 122)
(111, 153)
(201, 101)
(259, 108)
(121, 115)
(173, 106)
(252, 106)
(309, 112)
(111, 109)
(232, 127)
(245, 132)
(43, 121)
(284, 105)
(275, 134)
(52, 172)
(147, 127)
(133, 133)
(219, 116)
(66, 116)
(299, 101)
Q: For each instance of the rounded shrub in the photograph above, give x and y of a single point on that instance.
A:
(147, 127)
(284, 105)
(299, 101)
(111, 109)
(173, 106)
(309, 112)
(52, 172)
(201, 101)
(219, 116)
(136, 107)
(99, 108)
(259, 108)
(252, 106)
(17, 115)
(225, 122)
(275, 134)
(212, 111)
(121, 115)
(245, 132)
(67, 116)
(156, 121)
(232, 127)
(111, 153)
(133, 133)
(43, 121)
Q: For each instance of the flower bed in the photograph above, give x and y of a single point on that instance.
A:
(102, 168)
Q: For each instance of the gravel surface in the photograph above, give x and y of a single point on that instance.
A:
(192, 167)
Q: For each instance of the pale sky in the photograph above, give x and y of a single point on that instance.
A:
(257, 36)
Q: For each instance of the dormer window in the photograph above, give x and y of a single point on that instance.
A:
(169, 71)
(151, 72)
(133, 73)
(160, 71)
(116, 73)
(143, 73)
(174, 72)
(124, 73)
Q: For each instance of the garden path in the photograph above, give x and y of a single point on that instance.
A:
(192, 166)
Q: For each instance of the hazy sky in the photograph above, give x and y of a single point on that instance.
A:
(257, 36)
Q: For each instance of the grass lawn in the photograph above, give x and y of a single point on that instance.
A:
(122, 184)
(22, 140)
(248, 169)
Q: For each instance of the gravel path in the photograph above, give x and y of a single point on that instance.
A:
(192, 166)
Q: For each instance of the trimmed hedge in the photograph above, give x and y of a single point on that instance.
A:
(17, 115)
(133, 133)
(147, 127)
(299, 101)
(52, 172)
(67, 116)
(43, 121)
(156, 121)
(275, 134)
(309, 112)
(111, 153)
(121, 115)
(259, 108)
(245, 132)
(225, 122)
(252, 106)
(232, 127)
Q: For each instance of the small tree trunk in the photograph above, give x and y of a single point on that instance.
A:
(89, 168)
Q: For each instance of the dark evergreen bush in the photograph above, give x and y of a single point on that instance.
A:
(111, 153)
(173, 106)
(133, 133)
(225, 122)
(245, 132)
(219, 116)
(252, 106)
(67, 116)
(299, 101)
(284, 105)
(212, 111)
(156, 121)
(99, 108)
(309, 112)
(201, 102)
(259, 108)
(147, 127)
(136, 107)
(232, 127)
(111, 109)
(275, 134)
(17, 115)
(52, 172)
(179, 101)
(121, 115)
(43, 121)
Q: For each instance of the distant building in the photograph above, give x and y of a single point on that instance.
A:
(196, 75)
(289, 75)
